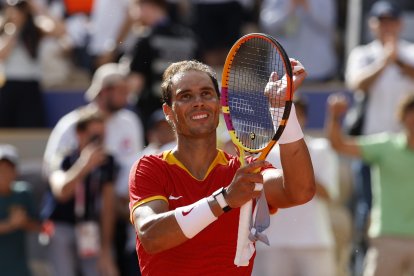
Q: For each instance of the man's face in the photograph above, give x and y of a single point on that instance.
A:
(7, 174)
(116, 95)
(94, 133)
(385, 27)
(195, 107)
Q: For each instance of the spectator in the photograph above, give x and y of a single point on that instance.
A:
(160, 134)
(107, 20)
(17, 215)
(391, 157)
(373, 70)
(304, 33)
(161, 137)
(21, 99)
(124, 136)
(76, 15)
(80, 204)
(163, 43)
(301, 238)
(217, 30)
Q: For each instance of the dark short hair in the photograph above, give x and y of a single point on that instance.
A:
(181, 67)
(86, 117)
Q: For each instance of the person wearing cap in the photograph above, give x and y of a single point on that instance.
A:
(17, 215)
(124, 134)
(79, 205)
(379, 74)
(383, 65)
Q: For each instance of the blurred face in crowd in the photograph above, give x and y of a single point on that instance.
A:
(145, 12)
(161, 133)
(7, 175)
(93, 133)
(385, 27)
(115, 96)
(17, 14)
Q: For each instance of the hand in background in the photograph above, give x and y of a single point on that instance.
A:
(18, 217)
(93, 155)
(337, 105)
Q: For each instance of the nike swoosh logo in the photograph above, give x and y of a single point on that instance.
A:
(187, 212)
(171, 197)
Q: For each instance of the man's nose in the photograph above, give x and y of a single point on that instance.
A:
(198, 100)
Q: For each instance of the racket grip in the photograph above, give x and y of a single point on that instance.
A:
(293, 131)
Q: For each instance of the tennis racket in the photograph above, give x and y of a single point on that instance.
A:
(256, 98)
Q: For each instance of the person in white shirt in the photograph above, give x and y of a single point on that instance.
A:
(304, 33)
(301, 238)
(382, 74)
(124, 132)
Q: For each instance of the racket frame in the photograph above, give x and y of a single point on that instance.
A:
(224, 94)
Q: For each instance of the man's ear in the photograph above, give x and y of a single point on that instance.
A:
(167, 112)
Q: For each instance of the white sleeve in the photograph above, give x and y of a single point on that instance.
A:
(61, 140)
(274, 15)
(135, 132)
(107, 18)
(325, 165)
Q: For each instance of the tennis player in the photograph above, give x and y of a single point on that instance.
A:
(185, 202)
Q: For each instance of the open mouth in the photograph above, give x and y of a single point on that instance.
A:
(199, 116)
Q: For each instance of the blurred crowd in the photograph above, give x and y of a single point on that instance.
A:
(115, 53)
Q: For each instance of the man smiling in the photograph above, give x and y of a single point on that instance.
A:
(196, 232)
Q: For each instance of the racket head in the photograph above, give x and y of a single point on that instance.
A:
(255, 122)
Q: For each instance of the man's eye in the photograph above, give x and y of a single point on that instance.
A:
(207, 94)
(186, 97)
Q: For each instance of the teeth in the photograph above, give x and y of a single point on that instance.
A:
(197, 117)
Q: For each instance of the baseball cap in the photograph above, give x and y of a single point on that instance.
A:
(385, 9)
(9, 153)
(104, 76)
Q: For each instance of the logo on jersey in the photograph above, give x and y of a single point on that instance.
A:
(171, 197)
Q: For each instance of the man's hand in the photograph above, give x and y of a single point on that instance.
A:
(242, 188)
(93, 155)
(391, 48)
(338, 105)
(276, 88)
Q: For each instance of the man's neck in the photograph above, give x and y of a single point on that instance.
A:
(196, 155)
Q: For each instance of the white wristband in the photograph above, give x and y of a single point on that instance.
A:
(293, 131)
(195, 217)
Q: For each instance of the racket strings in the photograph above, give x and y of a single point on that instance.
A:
(249, 106)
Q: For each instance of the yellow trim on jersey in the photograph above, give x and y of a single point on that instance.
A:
(220, 159)
(145, 200)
